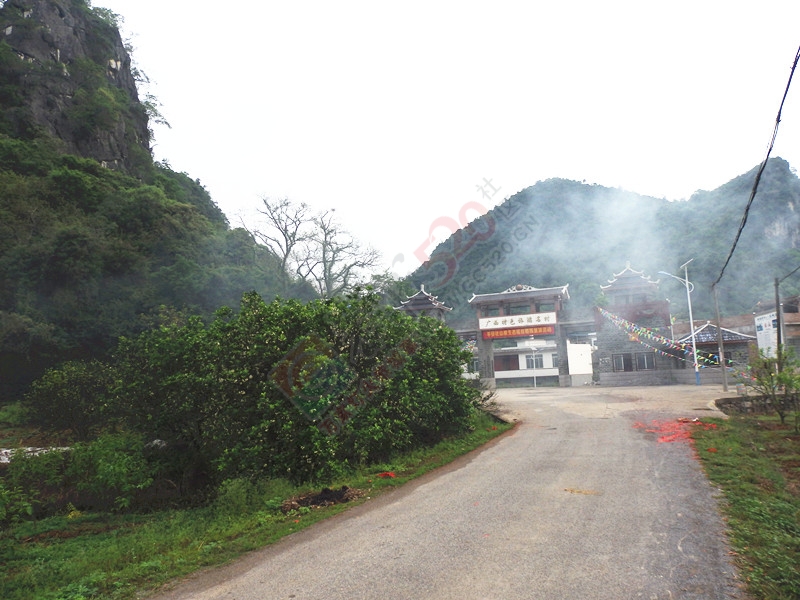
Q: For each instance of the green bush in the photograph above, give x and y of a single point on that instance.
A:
(71, 397)
(222, 389)
(14, 504)
(106, 473)
(40, 479)
(111, 469)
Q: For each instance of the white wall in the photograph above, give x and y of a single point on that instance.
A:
(580, 358)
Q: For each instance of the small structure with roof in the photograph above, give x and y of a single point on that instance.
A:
(738, 347)
(423, 304)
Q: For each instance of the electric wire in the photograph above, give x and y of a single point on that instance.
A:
(760, 172)
(789, 275)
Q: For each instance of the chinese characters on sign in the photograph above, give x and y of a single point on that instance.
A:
(517, 320)
(493, 334)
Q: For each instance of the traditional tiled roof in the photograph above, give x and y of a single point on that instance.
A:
(629, 277)
(523, 291)
(422, 300)
(707, 334)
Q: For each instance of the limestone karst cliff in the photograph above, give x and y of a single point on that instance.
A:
(65, 72)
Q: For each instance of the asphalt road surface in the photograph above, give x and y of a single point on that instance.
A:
(588, 498)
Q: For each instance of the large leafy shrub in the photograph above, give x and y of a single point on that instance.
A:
(389, 381)
(71, 398)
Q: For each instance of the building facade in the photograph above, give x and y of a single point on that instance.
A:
(633, 307)
(518, 339)
(739, 348)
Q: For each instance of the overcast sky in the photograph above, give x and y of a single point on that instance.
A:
(398, 114)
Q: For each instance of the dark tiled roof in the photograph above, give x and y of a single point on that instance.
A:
(707, 334)
(422, 300)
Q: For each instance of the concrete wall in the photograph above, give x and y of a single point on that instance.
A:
(580, 380)
(709, 376)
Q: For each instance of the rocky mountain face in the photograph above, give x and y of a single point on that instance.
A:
(65, 72)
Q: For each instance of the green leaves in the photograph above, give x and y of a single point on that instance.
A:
(777, 380)
(71, 398)
(247, 392)
(85, 251)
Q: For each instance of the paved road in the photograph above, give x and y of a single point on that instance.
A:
(580, 501)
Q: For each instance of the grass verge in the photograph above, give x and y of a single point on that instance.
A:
(84, 556)
(755, 461)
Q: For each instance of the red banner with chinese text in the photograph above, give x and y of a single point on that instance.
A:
(493, 334)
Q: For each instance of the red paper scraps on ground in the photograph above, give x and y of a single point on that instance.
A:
(674, 431)
(387, 474)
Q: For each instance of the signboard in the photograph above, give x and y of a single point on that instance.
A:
(547, 318)
(494, 334)
(767, 333)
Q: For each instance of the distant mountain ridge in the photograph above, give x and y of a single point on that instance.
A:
(560, 232)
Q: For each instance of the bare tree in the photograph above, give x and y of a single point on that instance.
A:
(332, 260)
(315, 248)
(288, 228)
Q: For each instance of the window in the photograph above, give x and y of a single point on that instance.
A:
(490, 311)
(507, 343)
(506, 363)
(622, 362)
(550, 307)
(645, 361)
(555, 360)
(641, 361)
(519, 309)
(534, 361)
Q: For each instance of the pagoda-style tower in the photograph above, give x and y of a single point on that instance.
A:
(624, 358)
(632, 295)
(423, 304)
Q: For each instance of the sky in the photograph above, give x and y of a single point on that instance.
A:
(410, 119)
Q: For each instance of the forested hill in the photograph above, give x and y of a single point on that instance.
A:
(563, 232)
(93, 235)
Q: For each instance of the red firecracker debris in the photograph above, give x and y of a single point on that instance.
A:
(676, 431)
(387, 474)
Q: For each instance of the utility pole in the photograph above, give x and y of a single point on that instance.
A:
(780, 324)
(722, 362)
(691, 320)
(689, 287)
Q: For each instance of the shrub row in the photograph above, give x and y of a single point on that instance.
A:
(284, 389)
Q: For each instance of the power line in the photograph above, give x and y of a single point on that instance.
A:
(789, 275)
(760, 171)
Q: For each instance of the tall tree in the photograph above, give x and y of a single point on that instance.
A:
(333, 261)
(316, 248)
(287, 228)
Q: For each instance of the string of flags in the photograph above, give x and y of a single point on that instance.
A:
(636, 332)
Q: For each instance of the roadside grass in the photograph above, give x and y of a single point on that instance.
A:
(755, 461)
(81, 556)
